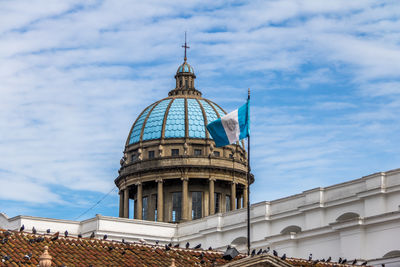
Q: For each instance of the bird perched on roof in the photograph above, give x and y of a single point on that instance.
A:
(92, 235)
(209, 248)
(22, 228)
(79, 235)
(283, 256)
(329, 259)
(28, 256)
(169, 244)
(167, 248)
(176, 246)
(344, 261)
(141, 240)
(55, 236)
(48, 231)
(4, 240)
(6, 258)
(197, 246)
(187, 245)
(7, 233)
(104, 237)
(157, 242)
(364, 263)
(34, 230)
(66, 233)
(275, 253)
(354, 262)
(340, 260)
(260, 251)
(310, 257)
(253, 252)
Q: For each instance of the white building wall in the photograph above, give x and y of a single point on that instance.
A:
(372, 234)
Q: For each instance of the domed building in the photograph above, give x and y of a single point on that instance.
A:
(171, 167)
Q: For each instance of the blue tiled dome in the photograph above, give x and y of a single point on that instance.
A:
(185, 68)
(166, 118)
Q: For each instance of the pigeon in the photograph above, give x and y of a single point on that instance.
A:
(92, 235)
(382, 265)
(329, 259)
(253, 252)
(169, 244)
(315, 262)
(187, 245)
(354, 262)
(283, 256)
(110, 248)
(6, 258)
(123, 252)
(364, 263)
(259, 252)
(167, 248)
(210, 248)
(197, 246)
(34, 230)
(28, 256)
(4, 240)
(176, 246)
(104, 237)
(157, 242)
(31, 241)
(340, 260)
(310, 257)
(275, 253)
(141, 240)
(7, 233)
(48, 231)
(55, 236)
(22, 228)
(66, 233)
(39, 239)
(323, 260)
(202, 261)
(79, 235)
(123, 241)
(344, 261)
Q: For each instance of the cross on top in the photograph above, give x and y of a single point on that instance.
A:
(185, 46)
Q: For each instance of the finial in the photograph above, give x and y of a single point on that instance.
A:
(185, 46)
(45, 258)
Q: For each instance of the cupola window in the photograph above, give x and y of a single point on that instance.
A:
(227, 202)
(197, 152)
(217, 201)
(176, 206)
(217, 154)
(151, 154)
(174, 152)
(196, 205)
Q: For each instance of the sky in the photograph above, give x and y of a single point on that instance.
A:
(74, 75)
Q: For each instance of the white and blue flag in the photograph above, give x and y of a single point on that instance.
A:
(232, 127)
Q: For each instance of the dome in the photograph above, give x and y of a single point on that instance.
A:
(185, 68)
(169, 118)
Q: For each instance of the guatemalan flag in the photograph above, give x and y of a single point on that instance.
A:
(232, 127)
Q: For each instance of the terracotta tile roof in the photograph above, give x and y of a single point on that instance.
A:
(72, 251)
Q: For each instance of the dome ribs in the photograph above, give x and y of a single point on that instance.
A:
(147, 117)
(165, 120)
(186, 120)
(205, 118)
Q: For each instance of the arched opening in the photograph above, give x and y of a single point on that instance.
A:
(291, 229)
(392, 254)
(239, 241)
(347, 216)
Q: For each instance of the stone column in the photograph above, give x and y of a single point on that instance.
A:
(185, 199)
(245, 196)
(233, 196)
(139, 200)
(211, 196)
(126, 202)
(121, 203)
(160, 201)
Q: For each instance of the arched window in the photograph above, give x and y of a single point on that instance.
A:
(392, 254)
(347, 216)
(291, 229)
(239, 241)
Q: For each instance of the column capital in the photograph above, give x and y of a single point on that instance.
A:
(212, 179)
(159, 180)
(185, 178)
(138, 183)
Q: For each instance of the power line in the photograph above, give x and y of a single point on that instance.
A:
(98, 202)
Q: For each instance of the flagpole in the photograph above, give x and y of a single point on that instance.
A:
(248, 178)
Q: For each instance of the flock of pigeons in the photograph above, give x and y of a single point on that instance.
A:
(315, 261)
(168, 247)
